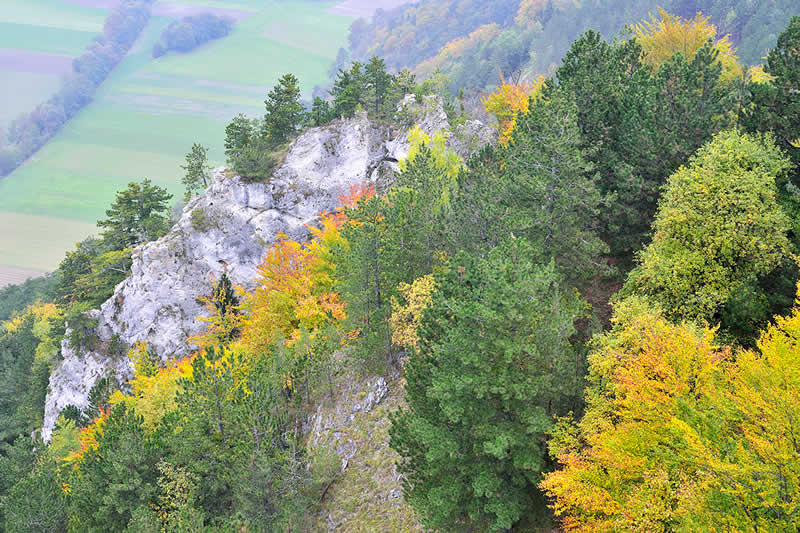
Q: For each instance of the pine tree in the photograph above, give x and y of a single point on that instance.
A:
(197, 171)
(378, 83)
(283, 110)
(494, 365)
(365, 277)
(137, 215)
(239, 134)
(321, 112)
(348, 91)
(776, 104)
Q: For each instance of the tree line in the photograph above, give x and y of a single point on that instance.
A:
(253, 145)
(471, 42)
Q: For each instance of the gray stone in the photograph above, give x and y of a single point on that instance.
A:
(228, 229)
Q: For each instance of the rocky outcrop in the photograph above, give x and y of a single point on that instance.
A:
(228, 229)
(351, 428)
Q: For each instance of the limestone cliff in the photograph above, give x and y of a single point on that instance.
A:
(228, 229)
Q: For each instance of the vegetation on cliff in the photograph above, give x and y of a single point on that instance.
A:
(482, 284)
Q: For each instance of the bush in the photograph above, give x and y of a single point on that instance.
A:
(254, 163)
(191, 32)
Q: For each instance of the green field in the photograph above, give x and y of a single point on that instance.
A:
(29, 239)
(149, 112)
(45, 38)
(37, 28)
(58, 14)
(24, 90)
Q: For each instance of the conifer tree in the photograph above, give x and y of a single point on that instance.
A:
(283, 110)
(137, 215)
(239, 134)
(197, 171)
(379, 82)
(320, 112)
(348, 91)
(493, 366)
(776, 104)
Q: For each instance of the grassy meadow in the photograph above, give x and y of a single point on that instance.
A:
(148, 113)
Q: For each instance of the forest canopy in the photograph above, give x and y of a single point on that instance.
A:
(593, 323)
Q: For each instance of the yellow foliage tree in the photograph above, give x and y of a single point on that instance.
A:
(528, 9)
(666, 35)
(153, 389)
(447, 163)
(89, 438)
(682, 435)
(509, 100)
(295, 290)
(406, 318)
(456, 48)
(45, 315)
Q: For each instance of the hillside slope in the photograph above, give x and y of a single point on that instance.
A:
(228, 229)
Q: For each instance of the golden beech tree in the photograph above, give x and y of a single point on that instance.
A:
(510, 99)
(295, 290)
(405, 319)
(527, 12)
(680, 434)
(663, 36)
(89, 439)
(451, 52)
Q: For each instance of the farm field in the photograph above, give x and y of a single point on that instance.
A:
(38, 40)
(148, 113)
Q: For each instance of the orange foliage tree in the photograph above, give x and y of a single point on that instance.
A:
(295, 290)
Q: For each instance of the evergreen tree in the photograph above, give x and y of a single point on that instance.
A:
(283, 110)
(17, 361)
(639, 125)
(539, 186)
(36, 502)
(494, 365)
(365, 277)
(348, 91)
(776, 104)
(378, 83)
(239, 134)
(321, 112)
(115, 478)
(137, 215)
(197, 170)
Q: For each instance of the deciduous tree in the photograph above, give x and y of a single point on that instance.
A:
(719, 226)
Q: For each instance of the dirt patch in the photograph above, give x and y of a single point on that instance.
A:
(16, 60)
(14, 276)
(97, 4)
(175, 10)
(364, 8)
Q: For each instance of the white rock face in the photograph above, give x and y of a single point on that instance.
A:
(228, 229)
